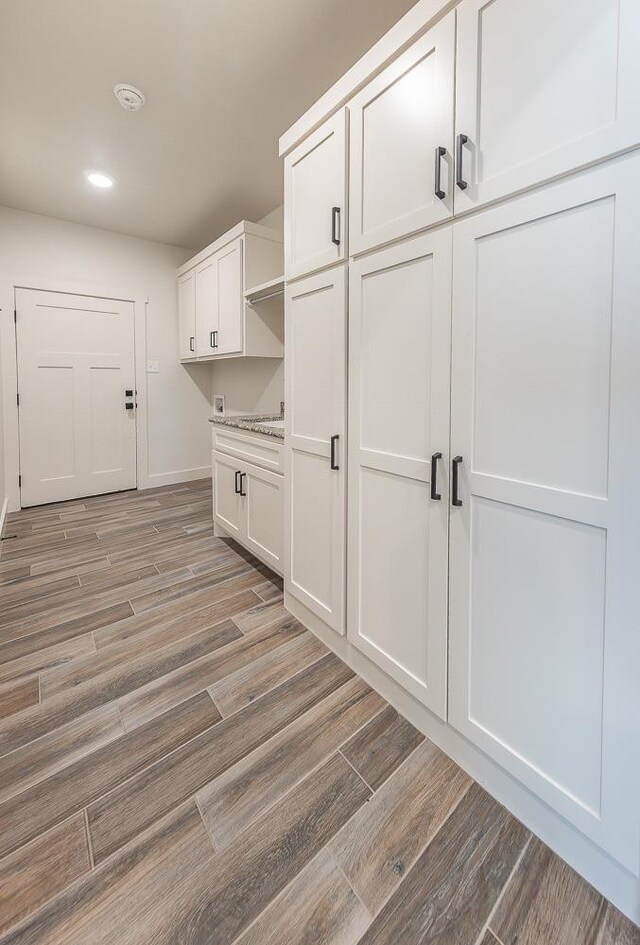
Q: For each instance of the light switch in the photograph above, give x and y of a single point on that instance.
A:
(153, 367)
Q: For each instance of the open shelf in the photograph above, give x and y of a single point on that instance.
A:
(265, 291)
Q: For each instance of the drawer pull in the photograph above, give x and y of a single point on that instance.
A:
(335, 225)
(455, 499)
(435, 495)
(440, 153)
(460, 181)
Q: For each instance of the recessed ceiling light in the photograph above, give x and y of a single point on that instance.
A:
(98, 179)
(131, 98)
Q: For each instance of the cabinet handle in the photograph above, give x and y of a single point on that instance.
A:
(435, 495)
(460, 181)
(334, 440)
(455, 500)
(243, 476)
(335, 225)
(237, 486)
(440, 153)
(213, 339)
(192, 343)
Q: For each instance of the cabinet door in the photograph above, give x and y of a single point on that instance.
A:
(264, 515)
(542, 89)
(401, 131)
(399, 353)
(544, 593)
(229, 298)
(315, 380)
(187, 315)
(206, 308)
(228, 507)
(315, 200)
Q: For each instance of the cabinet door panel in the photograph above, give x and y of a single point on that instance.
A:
(400, 315)
(206, 307)
(543, 602)
(396, 124)
(315, 184)
(228, 508)
(187, 315)
(542, 89)
(229, 298)
(264, 515)
(315, 385)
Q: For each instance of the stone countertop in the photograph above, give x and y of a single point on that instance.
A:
(257, 424)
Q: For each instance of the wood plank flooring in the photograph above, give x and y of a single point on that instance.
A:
(182, 763)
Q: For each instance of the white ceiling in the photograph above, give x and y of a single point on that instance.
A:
(223, 79)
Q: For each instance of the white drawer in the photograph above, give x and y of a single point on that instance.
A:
(264, 451)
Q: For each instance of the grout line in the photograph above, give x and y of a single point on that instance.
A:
(88, 838)
(205, 824)
(496, 905)
(494, 937)
(337, 865)
(117, 705)
(339, 752)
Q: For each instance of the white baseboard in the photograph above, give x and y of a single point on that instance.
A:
(3, 513)
(599, 869)
(172, 478)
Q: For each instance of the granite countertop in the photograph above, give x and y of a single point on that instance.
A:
(258, 424)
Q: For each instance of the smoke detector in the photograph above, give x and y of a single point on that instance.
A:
(129, 97)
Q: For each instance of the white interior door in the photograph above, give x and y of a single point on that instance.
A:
(315, 200)
(543, 88)
(401, 131)
(228, 508)
(206, 312)
(315, 426)
(187, 315)
(229, 298)
(75, 363)
(399, 355)
(264, 514)
(544, 595)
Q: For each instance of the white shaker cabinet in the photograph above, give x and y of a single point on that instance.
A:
(248, 497)
(229, 298)
(315, 444)
(228, 508)
(399, 345)
(315, 200)
(206, 302)
(216, 316)
(541, 89)
(401, 143)
(544, 600)
(264, 515)
(187, 315)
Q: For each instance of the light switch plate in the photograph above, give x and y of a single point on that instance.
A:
(153, 367)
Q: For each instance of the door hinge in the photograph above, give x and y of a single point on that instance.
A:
(15, 316)
(18, 399)
(19, 481)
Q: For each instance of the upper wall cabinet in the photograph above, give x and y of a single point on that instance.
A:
(216, 320)
(187, 315)
(315, 200)
(401, 143)
(542, 88)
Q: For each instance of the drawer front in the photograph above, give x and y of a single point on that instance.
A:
(262, 451)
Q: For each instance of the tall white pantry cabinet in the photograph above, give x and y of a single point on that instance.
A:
(462, 223)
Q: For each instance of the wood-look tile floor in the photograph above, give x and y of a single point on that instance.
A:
(181, 762)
